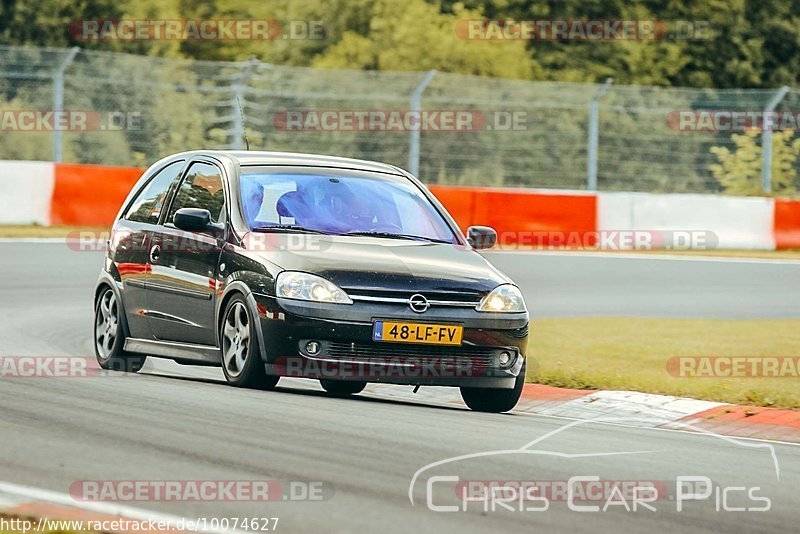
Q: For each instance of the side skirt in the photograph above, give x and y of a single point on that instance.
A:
(186, 352)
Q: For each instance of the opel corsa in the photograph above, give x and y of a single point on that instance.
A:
(277, 264)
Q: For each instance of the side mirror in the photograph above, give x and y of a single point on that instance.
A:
(192, 219)
(481, 237)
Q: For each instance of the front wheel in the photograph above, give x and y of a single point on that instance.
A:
(109, 336)
(241, 357)
(494, 400)
(342, 388)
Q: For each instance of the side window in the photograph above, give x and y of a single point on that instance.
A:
(201, 188)
(147, 205)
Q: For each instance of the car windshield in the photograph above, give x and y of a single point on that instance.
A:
(340, 202)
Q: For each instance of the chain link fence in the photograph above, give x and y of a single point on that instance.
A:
(518, 133)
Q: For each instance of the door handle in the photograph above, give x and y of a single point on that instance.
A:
(155, 253)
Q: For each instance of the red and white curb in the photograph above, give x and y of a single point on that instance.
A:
(664, 411)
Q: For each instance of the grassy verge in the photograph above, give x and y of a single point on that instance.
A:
(632, 354)
(47, 231)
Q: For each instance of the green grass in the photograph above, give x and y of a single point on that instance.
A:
(632, 354)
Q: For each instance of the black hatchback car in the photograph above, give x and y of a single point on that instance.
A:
(277, 264)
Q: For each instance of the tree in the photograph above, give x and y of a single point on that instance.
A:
(739, 171)
(414, 35)
(47, 22)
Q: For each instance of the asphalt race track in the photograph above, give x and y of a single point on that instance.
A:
(366, 451)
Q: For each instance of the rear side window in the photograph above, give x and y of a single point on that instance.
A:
(147, 205)
(202, 188)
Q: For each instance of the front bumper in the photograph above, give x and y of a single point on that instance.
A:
(347, 351)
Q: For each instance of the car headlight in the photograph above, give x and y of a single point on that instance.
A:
(304, 286)
(503, 299)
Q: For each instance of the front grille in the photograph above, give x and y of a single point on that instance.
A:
(380, 352)
(465, 298)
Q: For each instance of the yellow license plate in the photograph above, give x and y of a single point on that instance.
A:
(432, 334)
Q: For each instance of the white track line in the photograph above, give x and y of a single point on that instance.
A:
(116, 510)
(34, 240)
(647, 256)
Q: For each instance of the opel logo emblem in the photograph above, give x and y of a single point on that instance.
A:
(418, 303)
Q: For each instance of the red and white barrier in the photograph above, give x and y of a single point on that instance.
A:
(736, 222)
(91, 195)
(525, 217)
(787, 224)
(26, 191)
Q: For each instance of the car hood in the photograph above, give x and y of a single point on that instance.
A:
(385, 264)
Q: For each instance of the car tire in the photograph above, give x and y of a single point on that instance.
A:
(109, 336)
(342, 388)
(239, 349)
(494, 400)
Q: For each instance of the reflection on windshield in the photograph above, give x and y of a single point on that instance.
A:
(340, 204)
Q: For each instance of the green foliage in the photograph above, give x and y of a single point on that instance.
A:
(413, 35)
(739, 171)
(186, 104)
(737, 43)
(730, 43)
(47, 22)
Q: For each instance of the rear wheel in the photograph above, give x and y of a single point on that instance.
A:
(342, 388)
(241, 356)
(109, 336)
(494, 400)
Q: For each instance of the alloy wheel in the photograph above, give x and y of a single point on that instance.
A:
(106, 324)
(236, 339)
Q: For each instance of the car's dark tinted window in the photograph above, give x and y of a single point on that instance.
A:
(201, 188)
(147, 205)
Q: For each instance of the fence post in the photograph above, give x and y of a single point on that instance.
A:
(414, 135)
(766, 140)
(238, 102)
(594, 133)
(58, 99)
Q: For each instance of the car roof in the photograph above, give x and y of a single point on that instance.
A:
(245, 157)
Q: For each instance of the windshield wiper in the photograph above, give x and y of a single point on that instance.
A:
(289, 228)
(391, 235)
